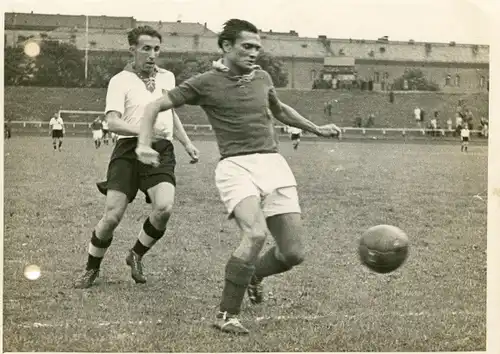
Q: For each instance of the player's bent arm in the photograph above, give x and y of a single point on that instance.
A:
(289, 116)
(119, 126)
(149, 119)
(179, 131)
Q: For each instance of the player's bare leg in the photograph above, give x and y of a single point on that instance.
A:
(102, 236)
(241, 265)
(54, 143)
(60, 144)
(286, 230)
(162, 197)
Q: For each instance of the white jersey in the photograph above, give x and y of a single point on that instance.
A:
(293, 130)
(465, 133)
(105, 124)
(416, 112)
(56, 123)
(128, 95)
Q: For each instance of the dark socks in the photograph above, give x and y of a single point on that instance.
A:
(148, 236)
(97, 249)
(237, 278)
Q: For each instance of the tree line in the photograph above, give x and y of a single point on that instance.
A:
(61, 64)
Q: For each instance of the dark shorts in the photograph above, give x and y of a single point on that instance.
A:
(295, 136)
(105, 132)
(465, 139)
(128, 175)
(57, 133)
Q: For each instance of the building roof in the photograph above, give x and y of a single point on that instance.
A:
(179, 28)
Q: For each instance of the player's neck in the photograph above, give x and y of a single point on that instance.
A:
(233, 69)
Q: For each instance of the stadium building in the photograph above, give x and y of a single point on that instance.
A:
(454, 67)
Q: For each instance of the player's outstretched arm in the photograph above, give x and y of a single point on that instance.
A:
(145, 153)
(119, 126)
(181, 135)
(151, 112)
(290, 116)
(179, 131)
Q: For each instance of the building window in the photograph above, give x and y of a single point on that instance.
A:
(482, 82)
(447, 80)
(377, 77)
(313, 74)
(457, 81)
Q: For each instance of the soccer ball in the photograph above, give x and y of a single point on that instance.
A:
(383, 248)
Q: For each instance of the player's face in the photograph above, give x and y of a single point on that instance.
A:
(146, 52)
(243, 53)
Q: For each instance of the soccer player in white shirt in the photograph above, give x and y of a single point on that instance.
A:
(56, 129)
(465, 135)
(295, 134)
(128, 92)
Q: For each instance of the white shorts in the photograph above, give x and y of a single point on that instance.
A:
(97, 134)
(267, 176)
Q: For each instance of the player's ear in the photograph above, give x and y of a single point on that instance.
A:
(227, 46)
(131, 49)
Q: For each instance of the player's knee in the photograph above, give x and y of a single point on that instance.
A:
(293, 257)
(112, 217)
(257, 235)
(163, 210)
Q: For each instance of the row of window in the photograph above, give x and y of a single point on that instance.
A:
(448, 79)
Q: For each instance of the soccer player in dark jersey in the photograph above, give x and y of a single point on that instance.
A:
(255, 182)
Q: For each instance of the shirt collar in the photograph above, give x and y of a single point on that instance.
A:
(220, 66)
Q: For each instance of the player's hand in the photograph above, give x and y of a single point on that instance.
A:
(193, 152)
(329, 131)
(147, 155)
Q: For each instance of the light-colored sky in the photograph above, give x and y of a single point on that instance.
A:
(462, 21)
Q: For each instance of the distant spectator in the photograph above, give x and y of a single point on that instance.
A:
(433, 125)
(7, 126)
(469, 119)
(358, 122)
(391, 96)
(484, 127)
(422, 116)
(371, 121)
(449, 124)
(416, 113)
(458, 123)
(328, 108)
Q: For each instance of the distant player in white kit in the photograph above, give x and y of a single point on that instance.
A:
(56, 129)
(96, 127)
(295, 134)
(465, 136)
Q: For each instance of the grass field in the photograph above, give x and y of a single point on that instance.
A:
(435, 302)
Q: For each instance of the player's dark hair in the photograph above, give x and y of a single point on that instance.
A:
(233, 28)
(133, 35)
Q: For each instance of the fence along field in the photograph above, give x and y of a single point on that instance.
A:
(39, 104)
